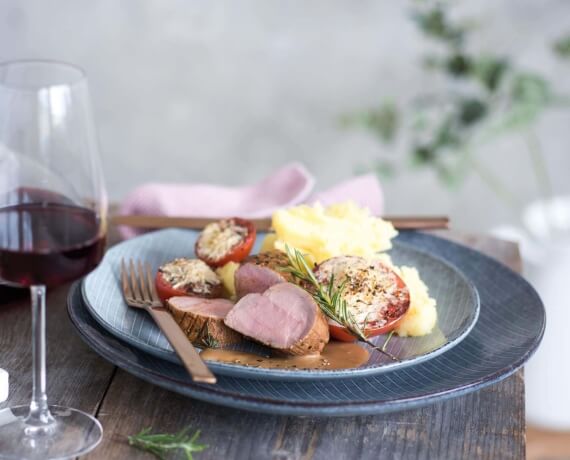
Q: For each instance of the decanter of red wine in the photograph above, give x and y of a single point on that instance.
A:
(52, 230)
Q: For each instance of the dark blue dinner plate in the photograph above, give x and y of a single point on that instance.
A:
(509, 329)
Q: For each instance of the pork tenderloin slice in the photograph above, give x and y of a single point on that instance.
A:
(261, 271)
(202, 320)
(255, 279)
(284, 317)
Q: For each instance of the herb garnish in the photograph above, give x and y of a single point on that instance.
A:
(161, 444)
(329, 298)
(210, 342)
(387, 340)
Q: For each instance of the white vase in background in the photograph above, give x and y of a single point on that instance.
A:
(545, 249)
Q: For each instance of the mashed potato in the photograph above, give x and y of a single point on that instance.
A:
(227, 275)
(339, 229)
(422, 315)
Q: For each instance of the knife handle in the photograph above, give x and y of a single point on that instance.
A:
(183, 347)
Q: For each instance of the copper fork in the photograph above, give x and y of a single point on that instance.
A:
(140, 292)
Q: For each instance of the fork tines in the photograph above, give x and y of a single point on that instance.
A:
(138, 284)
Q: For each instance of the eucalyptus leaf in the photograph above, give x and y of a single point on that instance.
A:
(422, 155)
(471, 111)
(459, 65)
(384, 121)
(520, 117)
(562, 47)
(385, 169)
(448, 176)
(530, 90)
(433, 22)
(447, 134)
(490, 70)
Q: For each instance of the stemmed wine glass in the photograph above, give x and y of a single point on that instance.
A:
(52, 230)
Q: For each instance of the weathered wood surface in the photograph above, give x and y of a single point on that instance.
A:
(77, 377)
(488, 424)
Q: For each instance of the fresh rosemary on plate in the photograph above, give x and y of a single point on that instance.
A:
(161, 444)
(210, 342)
(329, 298)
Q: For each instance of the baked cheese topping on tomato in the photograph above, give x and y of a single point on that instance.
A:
(183, 276)
(228, 240)
(376, 296)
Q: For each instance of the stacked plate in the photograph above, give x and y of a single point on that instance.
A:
(489, 322)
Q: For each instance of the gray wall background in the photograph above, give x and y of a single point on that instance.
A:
(195, 90)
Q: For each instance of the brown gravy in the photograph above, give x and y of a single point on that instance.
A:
(336, 355)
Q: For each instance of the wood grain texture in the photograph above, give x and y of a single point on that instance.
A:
(545, 444)
(264, 224)
(77, 377)
(488, 424)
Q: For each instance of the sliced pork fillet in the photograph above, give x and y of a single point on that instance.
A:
(284, 317)
(202, 320)
(261, 271)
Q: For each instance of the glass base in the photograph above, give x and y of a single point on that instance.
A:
(73, 433)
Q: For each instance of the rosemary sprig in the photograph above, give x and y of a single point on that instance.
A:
(160, 444)
(387, 340)
(329, 298)
(210, 342)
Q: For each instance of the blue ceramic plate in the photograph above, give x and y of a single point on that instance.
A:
(457, 306)
(509, 329)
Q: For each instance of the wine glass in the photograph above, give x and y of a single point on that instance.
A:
(52, 230)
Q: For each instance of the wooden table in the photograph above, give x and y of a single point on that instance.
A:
(489, 424)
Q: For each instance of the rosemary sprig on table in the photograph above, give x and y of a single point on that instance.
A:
(329, 298)
(160, 444)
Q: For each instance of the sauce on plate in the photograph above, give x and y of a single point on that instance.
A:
(335, 355)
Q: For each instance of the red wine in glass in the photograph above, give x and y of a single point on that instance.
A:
(48, 243)
(52, 230)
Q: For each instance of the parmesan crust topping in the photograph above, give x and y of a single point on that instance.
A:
(191, 275)
(369, 287)
(218, 238)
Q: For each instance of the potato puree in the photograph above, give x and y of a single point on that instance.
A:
(227, 275)
(422, 314)
(339, 229)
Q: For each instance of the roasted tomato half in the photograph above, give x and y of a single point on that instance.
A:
(375, 295)
(187, 277)
(228, 240)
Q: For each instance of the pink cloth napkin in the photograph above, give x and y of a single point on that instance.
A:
(288, 186)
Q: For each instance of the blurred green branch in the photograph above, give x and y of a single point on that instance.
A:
(562, 47)
(491, 97)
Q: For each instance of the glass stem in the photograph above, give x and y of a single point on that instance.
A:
(39, 418)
